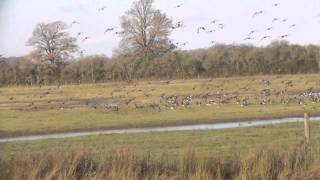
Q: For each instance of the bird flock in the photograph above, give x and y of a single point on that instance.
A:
(214, 26)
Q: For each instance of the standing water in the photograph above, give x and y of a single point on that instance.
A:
(199, 127)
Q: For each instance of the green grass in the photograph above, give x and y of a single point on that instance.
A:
(49, 121)
(206, 143)
(16, 118)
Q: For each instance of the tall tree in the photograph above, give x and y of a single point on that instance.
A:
(145, 30)
(53, 45)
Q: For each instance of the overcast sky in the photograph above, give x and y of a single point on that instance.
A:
(19, 17)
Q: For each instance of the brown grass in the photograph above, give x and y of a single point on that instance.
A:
(300, 162)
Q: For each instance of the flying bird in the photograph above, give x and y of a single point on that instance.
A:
(276, 4)
(211, 31)
(179, 24)
(201, 29)
(181, 43)
(212, 42)
(119, 32)
(264, 37)
(293, 25)
(82, 52)
(84, 39)
(75, 22)
(275, 19)
(221, 26)
(79, 34)
(269, 28)
(102, 8)
(252, 32)
(248, 38)
(179, 5)
(284, 20)
(214, 21)
(257, 13)
(109, 29)
(284, 36)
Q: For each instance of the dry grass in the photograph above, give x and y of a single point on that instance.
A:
(300, 162)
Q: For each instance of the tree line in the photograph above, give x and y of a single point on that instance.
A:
(146, 52)
(221, 60)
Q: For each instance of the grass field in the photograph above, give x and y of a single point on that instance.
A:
(35, 110)
(206, 143)
(271, 152)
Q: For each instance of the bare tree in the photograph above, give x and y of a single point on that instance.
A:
(145, 30)
(53, 46)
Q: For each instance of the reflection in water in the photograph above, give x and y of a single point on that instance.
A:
(160, 129)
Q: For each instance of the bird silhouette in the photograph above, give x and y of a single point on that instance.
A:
(82, 52)
(275, 19)
(75, 22)
(221, 26)
(79, 34)
(212, 42)
(257, 13)
(201, 29)
(252, 32)
(269, 28)
(86, 38)
(264, 37)
(293, 25)
(179, 5)
(179, 24)
(181, 43)
(211, 31)
(284, 36)
(119, 32)
(214, 21)
(276, 4)
(248, 38)
(109, 29)
(102, 8)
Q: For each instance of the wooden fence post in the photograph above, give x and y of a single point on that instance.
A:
(307, 127)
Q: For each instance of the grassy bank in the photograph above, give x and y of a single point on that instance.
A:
(49, 109)
(270, 152)
(300, 162)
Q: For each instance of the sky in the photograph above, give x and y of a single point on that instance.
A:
(19, 17)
